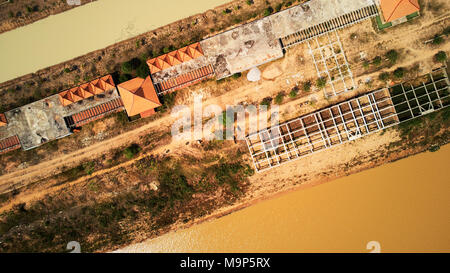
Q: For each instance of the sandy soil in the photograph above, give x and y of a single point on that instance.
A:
(282, 75)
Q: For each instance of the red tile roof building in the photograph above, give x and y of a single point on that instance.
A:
(139, 96)
(396, 9)
(175, 57)
(87, 90)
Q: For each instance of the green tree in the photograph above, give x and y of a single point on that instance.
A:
(142, 71)
(321, 82)
(307, 86)
(127, 67)
(268, 11)
(293, 92)
(131, 151)
(376, 61)
(278, 7)
(392, 56)
(237, 75)
(437, 40)
(279, 98)
(384, 76)
(399, 72)
(440, 57)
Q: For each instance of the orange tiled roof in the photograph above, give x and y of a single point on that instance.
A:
(86, 90)
(138, 96)
(3, 120)
(395, 9)
(186, 79)
(9, 144)
(97, 112)
(175, 57)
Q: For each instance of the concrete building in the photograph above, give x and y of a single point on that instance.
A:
(52, 118)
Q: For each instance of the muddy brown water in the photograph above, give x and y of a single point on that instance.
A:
(404, 206)
(73, 33)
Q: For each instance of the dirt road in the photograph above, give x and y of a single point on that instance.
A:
(295, 67)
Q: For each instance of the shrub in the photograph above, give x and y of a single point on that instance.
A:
(440, 57)
(366, 64)
(278, 7)
(437, 40)
(127, 67)
(268, 11)
(266, 101)
(434, 148)
(124, 77)
(226, 11)
(142, 71)
(384, 76)
(279, 98)
(293, 92)
(392, 56)
(135, 63)
(321, 82)
(399, 72)
(376, 61)
(307, 86)
(237, 75)
(131, 151)
(249, 2)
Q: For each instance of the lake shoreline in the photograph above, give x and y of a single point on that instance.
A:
(283, 192)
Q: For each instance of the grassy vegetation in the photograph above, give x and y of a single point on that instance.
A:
(268, 11)
(428, 126)
(380, 24)
(51, 223)
(131, 151)
(412, 15)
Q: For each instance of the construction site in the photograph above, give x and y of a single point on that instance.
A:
(220, 56)
(323, 43)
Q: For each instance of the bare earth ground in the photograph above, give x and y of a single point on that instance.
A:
(19, 13)
(48, 81)
(294, 69)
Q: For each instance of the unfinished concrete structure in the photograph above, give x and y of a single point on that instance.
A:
(348, 120)
(48, 119)
(261, 41)
(331, 63)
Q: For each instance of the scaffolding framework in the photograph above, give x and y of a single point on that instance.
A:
(331, 63)
(337, 23)
(346, 121)
(412, 101)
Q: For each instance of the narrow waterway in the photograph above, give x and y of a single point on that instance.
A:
(90, 27)
(405, 206)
